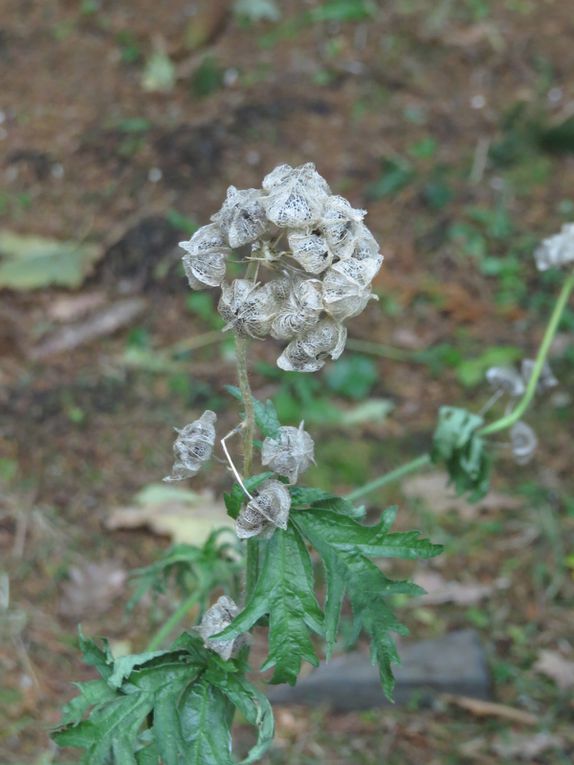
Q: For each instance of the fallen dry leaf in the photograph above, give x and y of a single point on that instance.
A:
(91, 589)
(490, 709)
(104, 322)
(183, 515)
(556, 667)
(433, 490)
(70, 307)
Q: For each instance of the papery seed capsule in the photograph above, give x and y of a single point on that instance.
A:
(289, 453)
(524, 442)
(193, 447)
(343, 295)
(205, 258)
(215, 620)
(268, 510)
(247, 308)
(340, 226)
(309, 352)
(242, 216)
(557, 250)
(295, 196)
(300, 311)
(310, 251)
(506, 379)
(546, 380)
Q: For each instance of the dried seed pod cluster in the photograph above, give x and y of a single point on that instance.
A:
(509, 380)
(215, 620)
(317, 252)
(193, 446)
(557, 250)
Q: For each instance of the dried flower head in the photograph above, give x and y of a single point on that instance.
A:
(242, 217)
(205, 258)
(193, 446)
(557, 250)
(341, 226)
(300, 309)
(289, 453)
(315, 261)
(546, 380)
(268, 510)
(215, 620)
(524, 442)
(309, 352)
(295, 196)
(506, 379)
(247, 308)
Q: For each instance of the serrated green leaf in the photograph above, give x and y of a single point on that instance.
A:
(346, 547)
(91, 693)
(308, 497)
(284, 591)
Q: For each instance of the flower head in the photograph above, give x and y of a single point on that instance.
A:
(288, 453)
(193, 446)
(268, 510)
(215, 620)
(315, 261)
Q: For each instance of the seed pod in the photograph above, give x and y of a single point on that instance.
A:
(310, 251)
(288, 453)
(295, 196)
(524, 442)
(247, 308)
(204, 261)
(300, 311)
(557, 250)
(345, 289)
(506, 379)
(546, 380)
(242, 216)
(215, 620)
(268, 510)
(193, 446)
(309, 352)
(367, 251)
(340, 226)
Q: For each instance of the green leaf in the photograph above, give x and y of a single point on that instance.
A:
(352, 376)
(257, 10)
(457, 445)
(188, 692)
(284, 591)
(32, 262)
(343, 10)
(265, 413)
(303, 498)
(396, 176)
(471, 372)
(346, 547)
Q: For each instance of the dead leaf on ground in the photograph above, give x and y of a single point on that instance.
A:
(33, 262)
(490, 709)
(91, 589)
(433, 490)
(183, 515)
(105, 322)
(556, 667)
(524, 746)
(440, 591)
(70, 307)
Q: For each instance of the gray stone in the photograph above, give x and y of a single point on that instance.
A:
(454, 663)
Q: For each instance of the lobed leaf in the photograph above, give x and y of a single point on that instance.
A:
(284, 591)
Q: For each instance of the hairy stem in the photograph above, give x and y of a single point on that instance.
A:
(178, 615)
(549, 334)
(409, 467)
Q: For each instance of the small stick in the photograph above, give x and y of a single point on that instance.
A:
(230, 461)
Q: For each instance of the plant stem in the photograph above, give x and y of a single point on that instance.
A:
(178, 615)
(409, 467)
(549, 334)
